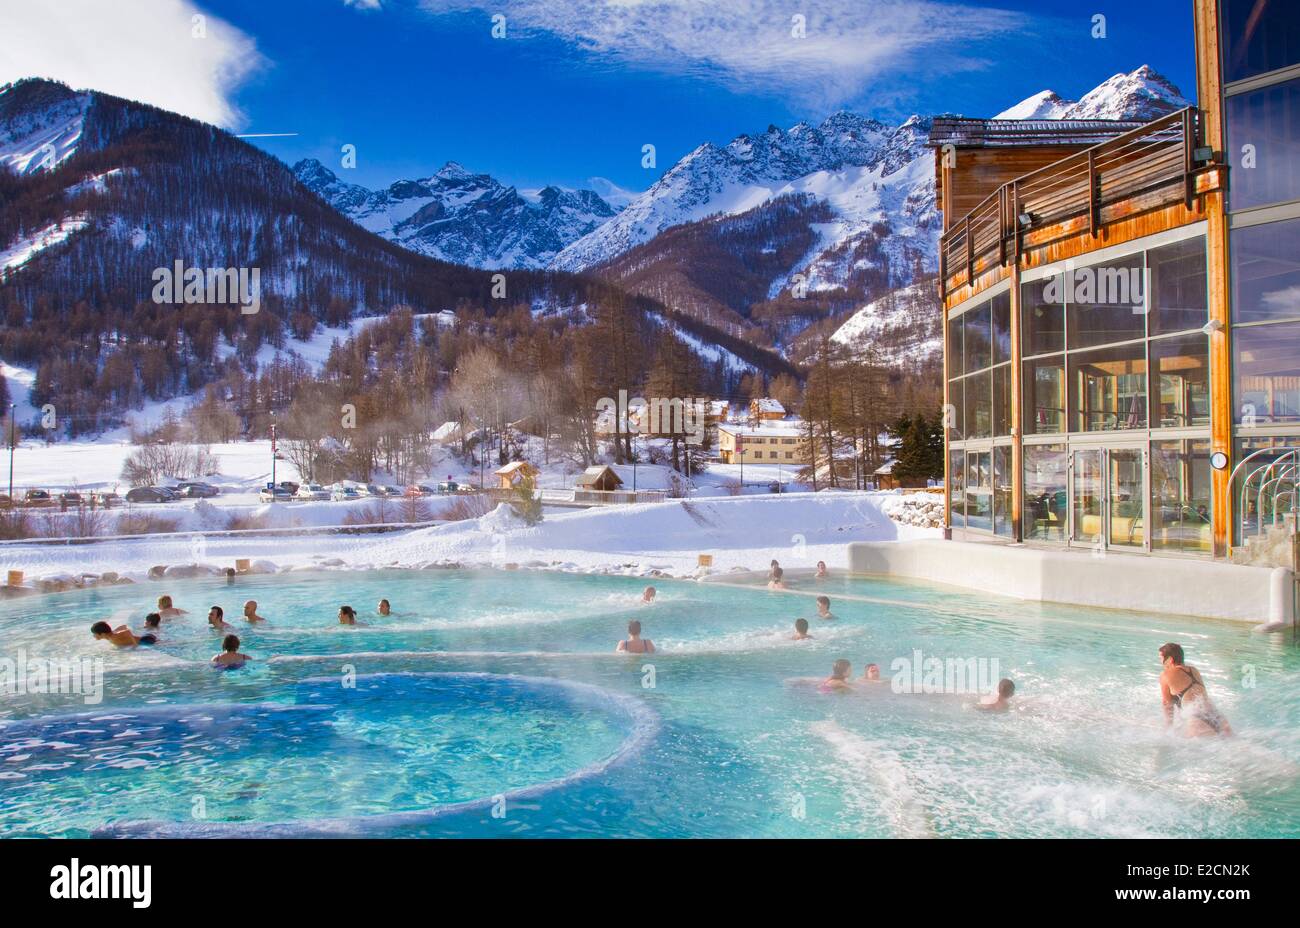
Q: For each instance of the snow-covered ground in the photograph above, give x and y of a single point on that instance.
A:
(798, 529)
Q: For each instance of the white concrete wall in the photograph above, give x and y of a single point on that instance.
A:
(1180, 586)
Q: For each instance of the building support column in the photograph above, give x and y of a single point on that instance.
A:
(1017, 431)
(1221, 412)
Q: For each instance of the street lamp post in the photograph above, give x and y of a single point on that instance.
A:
(274, 454)
(12, 413)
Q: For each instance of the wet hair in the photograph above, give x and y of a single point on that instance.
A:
(774, 563)
(230, 643)
(801, 626)
(384, 602)
(821, 563)
(101, 628)
(870, 667)
(824, 601)
(634, 627)
(777, 572)
(1006, 687)
(152, 620)
(221, 613)
(148, 639)
(1172, 650)
(651, 590)
(164, 602)
(840, 669)
(348, 611)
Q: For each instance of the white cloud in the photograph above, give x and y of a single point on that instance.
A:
(143, 50)
(849, 45)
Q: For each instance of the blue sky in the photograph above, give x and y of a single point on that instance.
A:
(577, 87)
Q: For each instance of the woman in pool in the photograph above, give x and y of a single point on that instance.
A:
(1182, 687)
(648, 596)
(230, 658)
(348, 616)
(838, 681)
(153, 624)
(800, 630)
(776, 577)
(167, 610)
(120, 637)
(635, 644)
(821, 571)
(824, 609)
(385, 608)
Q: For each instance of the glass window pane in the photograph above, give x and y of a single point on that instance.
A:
(957, 488)
(1179, 300)
(979, 405)
(1266, 272)
(955, 364)
(1259, 36)
(1042, 321)
(975, 325)
(1106, 302)
(1127, 497)
(1044, 514)
(979, 491)
(1044, 412)
(1267, 373)
(1001, 312)
(1180, 496)
(957, 410)
(1182, 381)
(1252, 518)
(1002, 400)
(1002, 516)
(1268, 121)
(1109, 388)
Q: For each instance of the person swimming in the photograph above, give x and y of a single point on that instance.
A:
(230, 658)
(1182, 687)
(776, 577)
(153, 624)
(348, 616)
(871, 674)
(167, 610)
(1006, 689)
(821, 571)
(250, 612)
(384, 608)
(120, 637)
(217, 618)
(634, 643)
(648, 595)
(800, 630)
(824, 609)
(838, 681)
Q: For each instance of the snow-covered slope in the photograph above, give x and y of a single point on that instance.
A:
(1141, 94)
(465, 218)
(901, 328)
(40, 137)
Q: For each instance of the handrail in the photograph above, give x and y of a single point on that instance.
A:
(1136, 162)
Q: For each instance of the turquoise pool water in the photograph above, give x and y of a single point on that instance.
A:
(493, 704)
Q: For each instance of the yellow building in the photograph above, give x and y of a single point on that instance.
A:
(771, 442)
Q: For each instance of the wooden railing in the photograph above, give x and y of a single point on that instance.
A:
(1145, 168)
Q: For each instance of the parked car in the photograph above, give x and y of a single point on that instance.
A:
(107, 498)
(37, 497)
(70, 498)
(149, 495)
(288, 485)
(310, 491)
(341, 493)
(374, 489)
(276, 494)
(392, 491)
(448, 486)
(421, 489)
(196, 489)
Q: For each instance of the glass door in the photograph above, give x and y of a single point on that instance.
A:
(1087, 490)
(1126, 497)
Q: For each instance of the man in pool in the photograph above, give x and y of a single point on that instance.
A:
(385, 608)
(648, 596)
(824, 608)
(800, 630)
(230, 658)
(838, 681)
(821, 571)
(250, 612)
(635, 644)
(153, 624)
(120, 637)
(167, 610)
(1006, 689)
(1182, 687)
(348, 616)
(872, 674)
(217, 619)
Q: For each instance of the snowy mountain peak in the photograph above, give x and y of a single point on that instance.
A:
(466, 218)
(1141, 94)
(40, 124)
